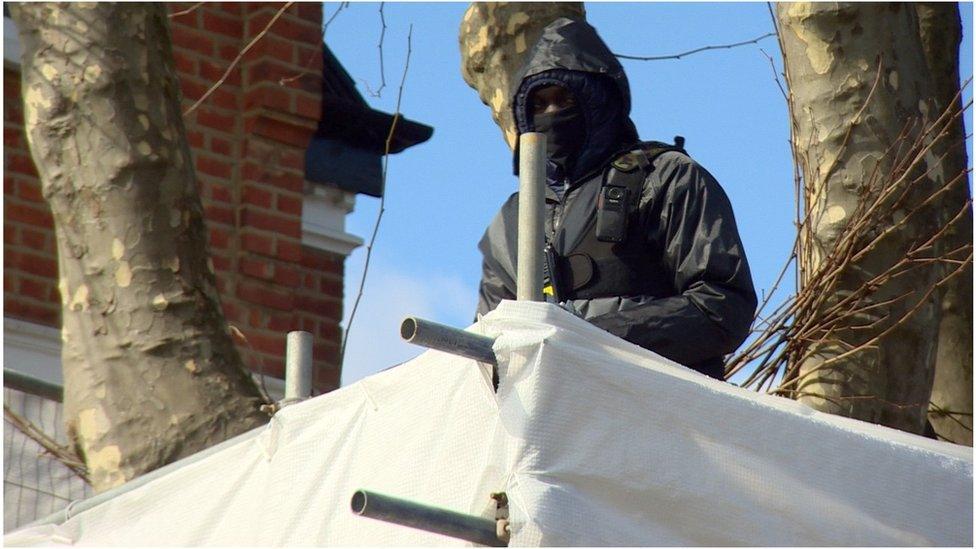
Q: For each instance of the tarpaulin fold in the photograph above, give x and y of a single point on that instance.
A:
(596, 442)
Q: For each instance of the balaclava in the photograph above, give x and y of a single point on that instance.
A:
(579, 139)
(565, 134)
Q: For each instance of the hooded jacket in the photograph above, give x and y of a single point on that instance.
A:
(695, 300)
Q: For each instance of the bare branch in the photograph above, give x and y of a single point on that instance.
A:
(265, 395)
(379, 215)
(57, 451)
(881, 335)
(696, 50)
(239, 57)
(325, 27)
(940, 411)
(186, 11)
(817, 312)
(379, 91)
(772, 65)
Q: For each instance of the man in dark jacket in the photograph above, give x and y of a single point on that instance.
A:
(641, 239)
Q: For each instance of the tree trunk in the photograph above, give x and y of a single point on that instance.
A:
(857, 79)
(951, 412)
(494, 38)
(151, 374)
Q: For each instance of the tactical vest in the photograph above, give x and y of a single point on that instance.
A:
(613, 258)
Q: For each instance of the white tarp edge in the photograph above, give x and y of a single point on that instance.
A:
(596, 442)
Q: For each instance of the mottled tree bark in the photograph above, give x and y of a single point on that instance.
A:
(494, 39)
(151, 374)
(951, 412)
(857, 74)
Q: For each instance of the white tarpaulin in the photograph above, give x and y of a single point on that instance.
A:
(595, 441)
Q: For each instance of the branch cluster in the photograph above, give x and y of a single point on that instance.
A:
(62, 453)
(822, 312)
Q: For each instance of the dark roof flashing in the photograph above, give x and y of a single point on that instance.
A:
(348, 117)
(352, 137)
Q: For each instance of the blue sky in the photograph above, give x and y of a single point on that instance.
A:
(441, 195)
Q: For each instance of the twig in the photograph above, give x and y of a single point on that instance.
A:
(884, 333)
(289, 79)
(696, 50)
(772, 65)
(798, 182)
(940, 411)
(819, 311)
(380, 46)
(60, 453)
(379, 215)
(239, 57)
(839, 398)
(779, 279)
(265, 395)
(339, 8)
(325, 27)
(186, 11)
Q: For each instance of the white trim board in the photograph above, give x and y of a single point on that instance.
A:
(35, 350)
(11, 41)
(324, 212)
(32, 349)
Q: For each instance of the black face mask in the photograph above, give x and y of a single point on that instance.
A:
(565, 132)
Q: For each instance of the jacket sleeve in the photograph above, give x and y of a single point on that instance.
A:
(689, 219)
(491, 290)
(497, 269)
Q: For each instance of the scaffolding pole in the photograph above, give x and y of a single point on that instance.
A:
(298, 366)
(471, 528)
(531, 215)
(450, 340)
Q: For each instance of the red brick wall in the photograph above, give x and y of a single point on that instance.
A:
(30, 269)
(248, 140)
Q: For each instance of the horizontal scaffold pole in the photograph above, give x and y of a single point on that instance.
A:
(471, 528)
(450, 340)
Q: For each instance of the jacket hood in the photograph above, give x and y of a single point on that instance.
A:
(571, 54)
(575, 46)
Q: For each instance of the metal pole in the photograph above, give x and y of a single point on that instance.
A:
(532, 182)
(424, 517)
(298, 366)
(32, 385)
(450, 340)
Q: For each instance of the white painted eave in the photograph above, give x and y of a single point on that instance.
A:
(324, 211)
(32, 349)
(321, 238)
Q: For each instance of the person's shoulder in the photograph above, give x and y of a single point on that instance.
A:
(673, 160)
(509, 207)
(658, 159)
(676, 175)
(678, 167)
(501, 227)
(510, 204)
(505, 215)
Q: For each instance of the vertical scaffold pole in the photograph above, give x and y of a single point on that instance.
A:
(532, 181)
(298, 366)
